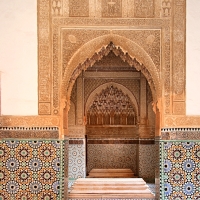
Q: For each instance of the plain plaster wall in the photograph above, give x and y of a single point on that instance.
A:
(18, 57)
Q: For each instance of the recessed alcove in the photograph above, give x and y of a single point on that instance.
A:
(115, 102)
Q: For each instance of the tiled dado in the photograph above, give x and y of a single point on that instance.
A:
(180, 164)
(136, 154)
(29, 132)
(77, 158)
(147, 160)
(31, 169)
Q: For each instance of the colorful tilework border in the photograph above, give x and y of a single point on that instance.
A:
(180, 169)
(31, 169)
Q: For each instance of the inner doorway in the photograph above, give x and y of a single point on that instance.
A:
(112, 103)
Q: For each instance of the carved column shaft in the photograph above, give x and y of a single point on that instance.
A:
(143, 100)
(79, 105)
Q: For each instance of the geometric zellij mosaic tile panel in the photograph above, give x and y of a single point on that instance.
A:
(31, 169)
(180, 170)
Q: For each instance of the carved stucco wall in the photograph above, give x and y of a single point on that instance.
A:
(150, 43)
(128, 18)
(30, 83)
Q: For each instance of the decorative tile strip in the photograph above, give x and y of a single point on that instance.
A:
(179, 169)
(180, 134)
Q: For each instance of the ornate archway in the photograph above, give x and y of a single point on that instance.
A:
(95, 49)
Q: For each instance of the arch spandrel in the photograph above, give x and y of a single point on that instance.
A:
(81, 60)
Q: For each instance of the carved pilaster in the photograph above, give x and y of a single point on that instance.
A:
(179, 57)
(44, 55)
(143, 101)
(79, 105)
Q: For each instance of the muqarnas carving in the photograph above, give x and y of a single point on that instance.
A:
(111, 107)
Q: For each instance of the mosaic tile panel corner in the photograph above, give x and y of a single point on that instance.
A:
(31, 169)
(180, 170)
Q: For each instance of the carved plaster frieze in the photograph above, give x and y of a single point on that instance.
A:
(79, 8)
(179, 27)
(29, 121)
(112, 132)
(44, 55)
(154, 83)
(51, 27)
(144, 8)
(76, 132)
(149, 40)
(166, 8)
(30, 134)
(181, 121)
(109, 8)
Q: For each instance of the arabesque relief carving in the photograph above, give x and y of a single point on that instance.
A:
(111, 8)
(54, 20)
(53, 86)
(144, 8)
(79, 8)
(118, 52)
(29, 121)
(179, 56)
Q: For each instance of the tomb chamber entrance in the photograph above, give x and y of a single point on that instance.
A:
(111, 102)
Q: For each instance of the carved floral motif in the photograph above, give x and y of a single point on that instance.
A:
(118, 52)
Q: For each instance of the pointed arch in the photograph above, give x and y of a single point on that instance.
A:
(95, 49)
